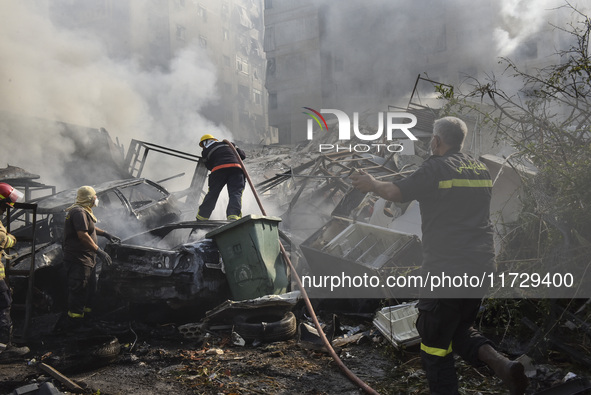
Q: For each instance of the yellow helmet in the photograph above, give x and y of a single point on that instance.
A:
(206, 137)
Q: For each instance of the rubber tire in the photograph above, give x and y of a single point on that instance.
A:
(88, 354)
(108, 351)
(266, 327)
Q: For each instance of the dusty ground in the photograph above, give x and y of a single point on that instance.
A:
(155, 359)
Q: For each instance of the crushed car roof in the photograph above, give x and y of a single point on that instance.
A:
(63, 199)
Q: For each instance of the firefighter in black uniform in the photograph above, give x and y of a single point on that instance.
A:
(225, 170)
(454, 191)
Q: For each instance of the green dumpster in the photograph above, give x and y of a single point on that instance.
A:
(252, 259)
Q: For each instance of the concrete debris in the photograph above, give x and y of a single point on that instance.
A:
(530, 369)
(191, 331)
(214, 351)
(46, 388)
(569, 376)
(237, 340)
(343, 341)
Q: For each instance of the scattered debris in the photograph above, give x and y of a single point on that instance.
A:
(12, 174)
(241, 339)
(69, 384)
(237, 340)
(359, 249)
(577, 386)
(214, 351)
(46, 388)
(191, 331)
(309, 338)
(397, 324)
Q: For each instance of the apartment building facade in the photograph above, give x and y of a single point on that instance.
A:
(360, 56)
(153, 32)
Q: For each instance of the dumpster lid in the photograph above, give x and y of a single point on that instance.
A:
(239, 222)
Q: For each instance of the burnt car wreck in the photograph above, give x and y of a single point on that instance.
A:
(173, 263)
(127, 207)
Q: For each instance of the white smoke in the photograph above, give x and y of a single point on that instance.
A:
(522, 20)
(55, 73)
(52, 73)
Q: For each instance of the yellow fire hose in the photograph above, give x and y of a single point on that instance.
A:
(360, 383)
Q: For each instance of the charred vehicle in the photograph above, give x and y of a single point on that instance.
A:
(173, 263)
(126, 207)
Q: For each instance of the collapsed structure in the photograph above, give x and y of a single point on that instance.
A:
(166, 260)
(331, 224)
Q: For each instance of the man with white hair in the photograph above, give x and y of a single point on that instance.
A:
(454, 192)
(80, 252)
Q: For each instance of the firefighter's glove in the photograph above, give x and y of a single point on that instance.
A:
(10, 241)
(111, 238)
(104, 257)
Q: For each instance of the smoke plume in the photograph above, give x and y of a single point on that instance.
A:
(57, 73)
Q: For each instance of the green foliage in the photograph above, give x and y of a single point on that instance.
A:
(548, 122)
(445, 91)
(502, 314)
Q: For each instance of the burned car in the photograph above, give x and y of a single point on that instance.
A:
(126, 207)
(173, 263)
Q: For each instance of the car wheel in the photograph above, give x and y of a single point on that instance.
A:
(268, 326)
(88, 353)
(107, 350)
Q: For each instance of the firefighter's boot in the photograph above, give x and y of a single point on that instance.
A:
(11, 351)
(511, 372)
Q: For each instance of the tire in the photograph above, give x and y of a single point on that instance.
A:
(88, 354)
(267, 327)
(108, 351)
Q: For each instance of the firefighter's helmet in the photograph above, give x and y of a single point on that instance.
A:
(206, 137)
(9, 195)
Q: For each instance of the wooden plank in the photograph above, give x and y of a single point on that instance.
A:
(72, 386)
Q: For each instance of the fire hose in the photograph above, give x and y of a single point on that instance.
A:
(360, 383)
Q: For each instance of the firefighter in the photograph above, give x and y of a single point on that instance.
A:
(80, 252)
(8, 196)
(225, 170)
(454, 192)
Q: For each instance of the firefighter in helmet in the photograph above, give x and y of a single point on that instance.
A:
(225, 170)
(80, 252)
(8, 196)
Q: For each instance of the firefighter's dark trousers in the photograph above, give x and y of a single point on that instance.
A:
(445, 327)
(233, 178)
(5, 303)
(81, 288)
